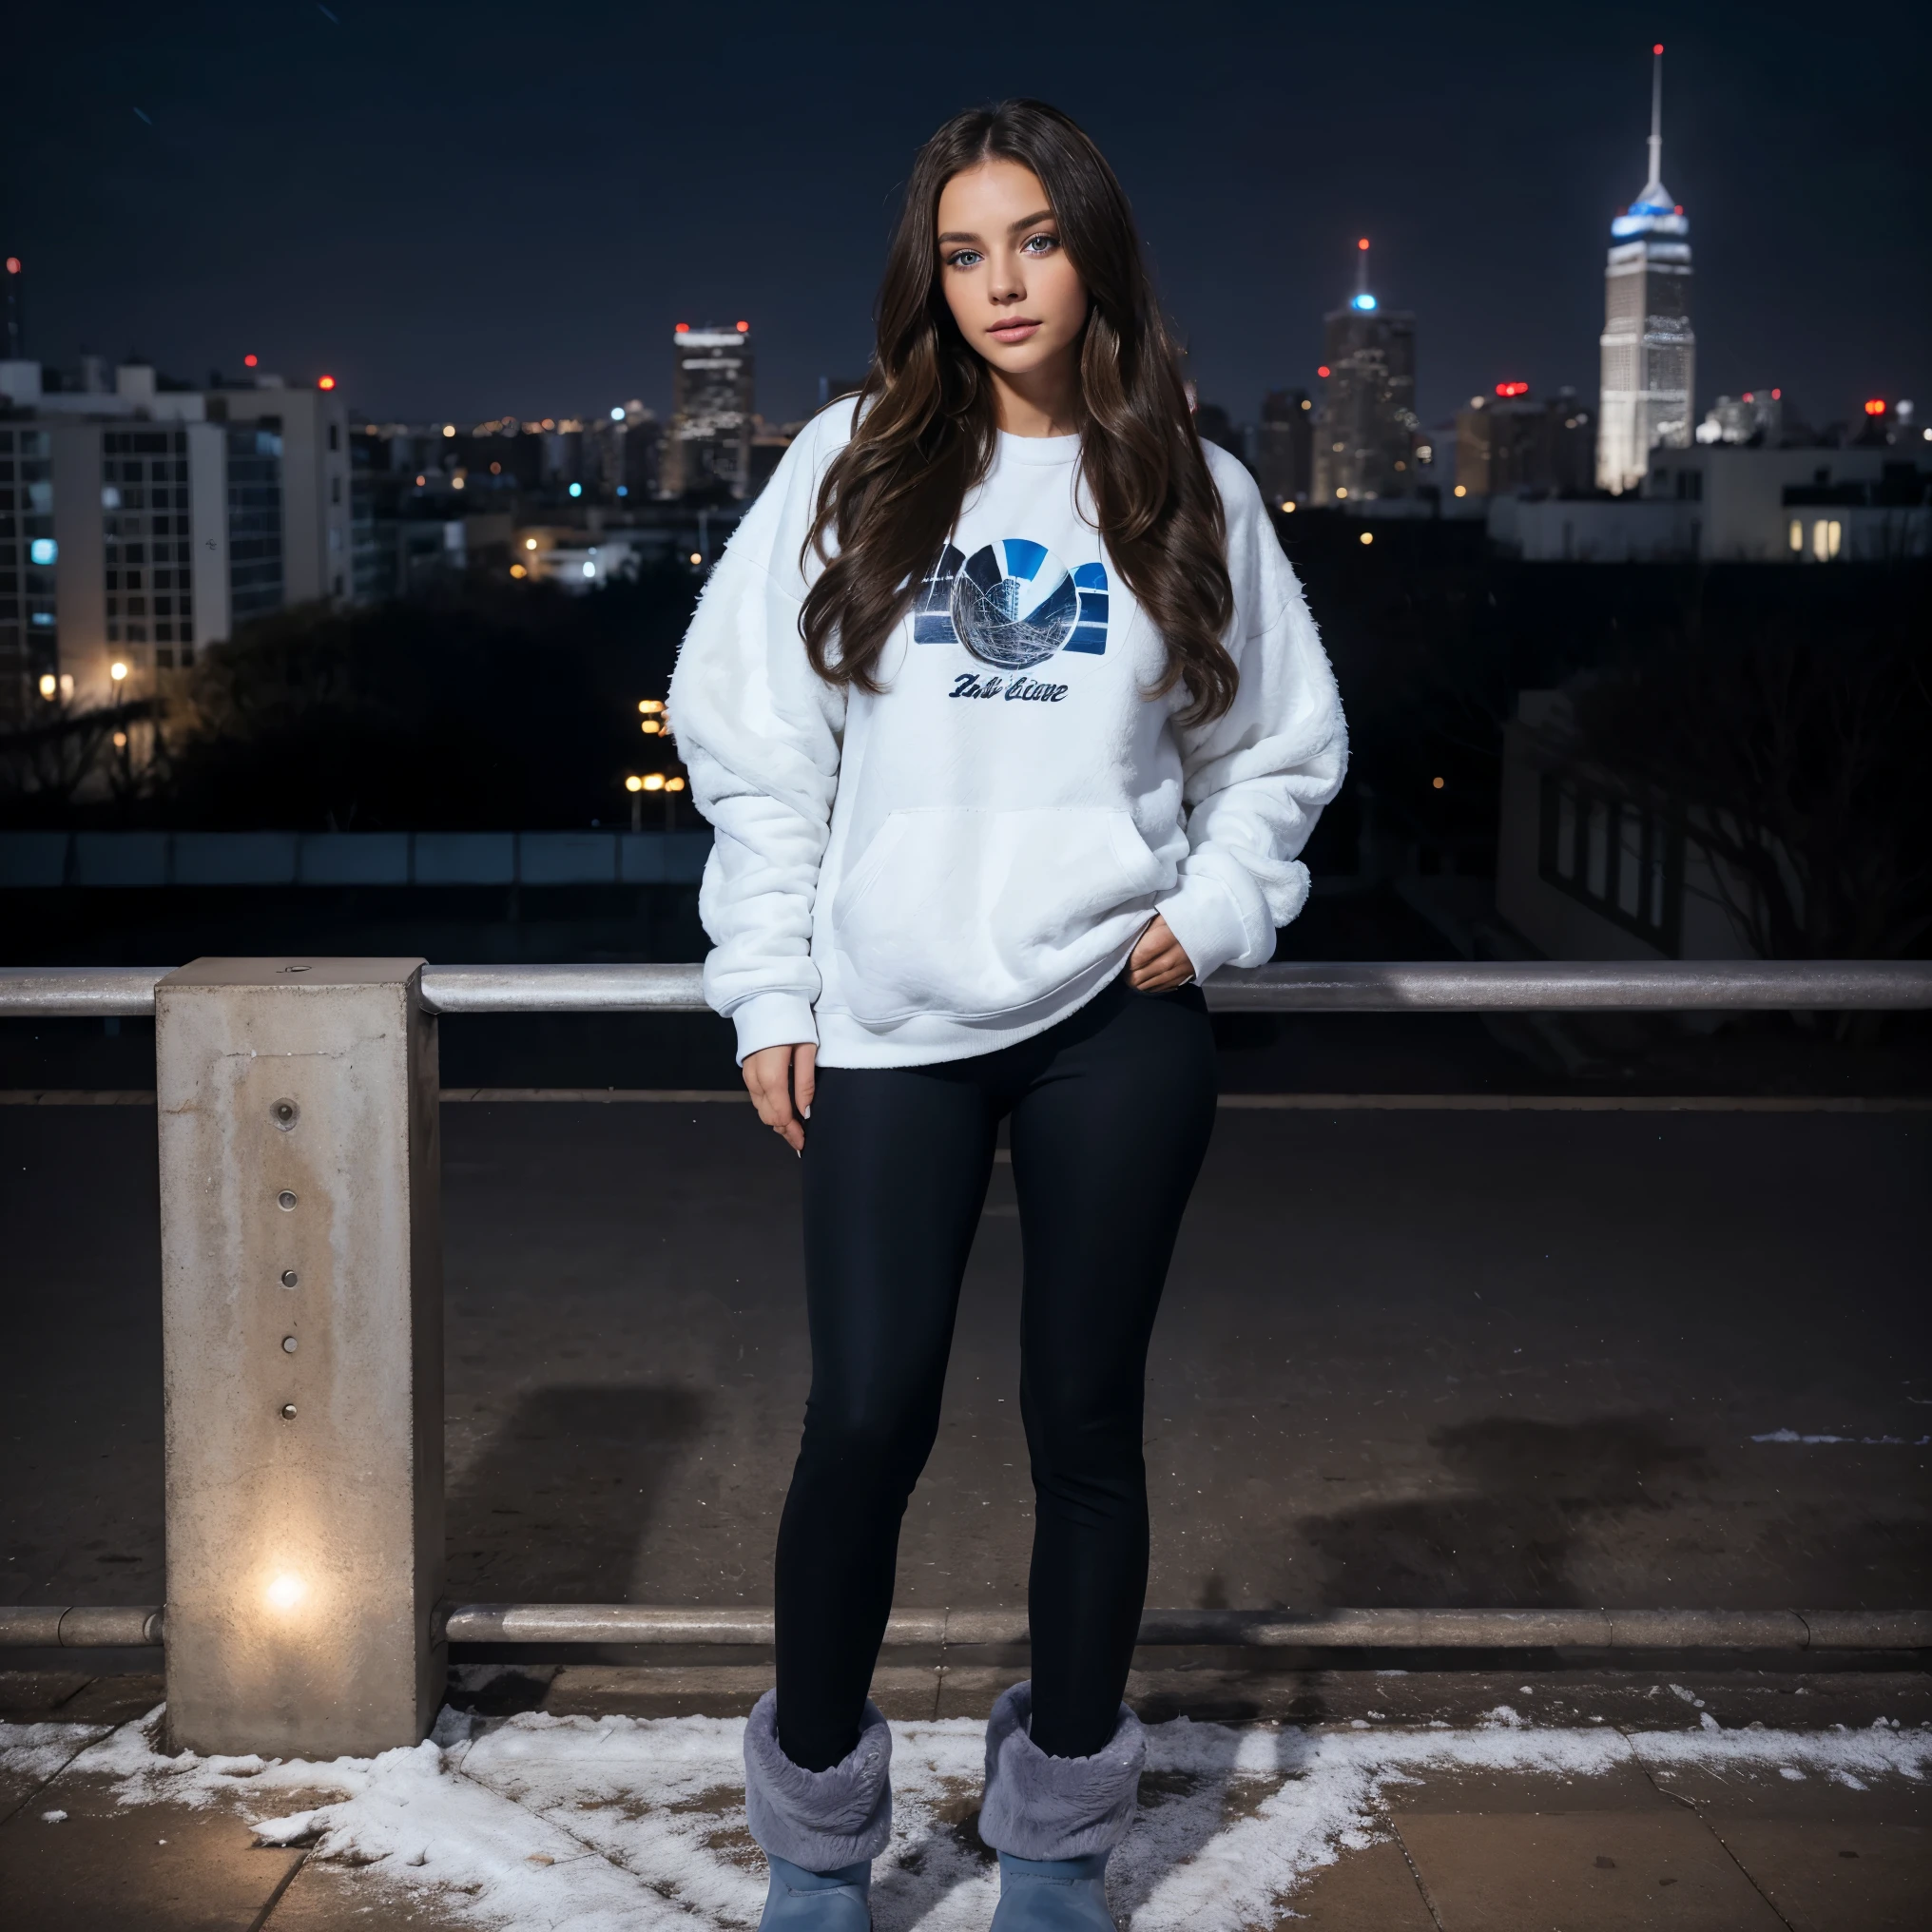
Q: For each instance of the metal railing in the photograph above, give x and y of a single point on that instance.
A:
(1453, 986)
(301, 1314)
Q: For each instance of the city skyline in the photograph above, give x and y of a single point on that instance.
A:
(487, 290)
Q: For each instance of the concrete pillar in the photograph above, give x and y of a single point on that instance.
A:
(301, 1282)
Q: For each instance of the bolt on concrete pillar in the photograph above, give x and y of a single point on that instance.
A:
(301, 1272)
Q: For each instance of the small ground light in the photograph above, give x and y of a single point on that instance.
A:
(696, 558)
(1436, 783)
(1462, 490)
(517, 570)
(1368, 536)
(650, 727)
(119, 741)
(285, 1592)
(653, 781)
(48, 686)
(673, 784)
(116, 670)
(650, 706)
(633, 784)
(1288, 507)
(529, 543)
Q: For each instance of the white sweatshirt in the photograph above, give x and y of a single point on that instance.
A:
(962, 860)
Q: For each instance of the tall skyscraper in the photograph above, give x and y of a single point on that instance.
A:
(713, 399)
(1365, 437)
(1650, 354)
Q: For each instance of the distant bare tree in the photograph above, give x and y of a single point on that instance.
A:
(1800, 764)
(50, 758)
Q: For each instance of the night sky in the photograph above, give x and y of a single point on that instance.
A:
(466, 210)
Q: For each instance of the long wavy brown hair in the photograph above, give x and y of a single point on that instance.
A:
(927, 428)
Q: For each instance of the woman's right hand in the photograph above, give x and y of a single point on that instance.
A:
(780, 1081)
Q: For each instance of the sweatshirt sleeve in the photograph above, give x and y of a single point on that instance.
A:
(1255, 779)
(761, 734)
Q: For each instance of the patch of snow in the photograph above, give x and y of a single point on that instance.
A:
(628, 1824)
(56, 1817)
(34, 1752)
(1863, 1441)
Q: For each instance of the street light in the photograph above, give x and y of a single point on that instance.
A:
(48, 684)
(116, 670)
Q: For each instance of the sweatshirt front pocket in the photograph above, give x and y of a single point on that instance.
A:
(970, 915)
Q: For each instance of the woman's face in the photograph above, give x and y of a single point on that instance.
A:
(1016, 298)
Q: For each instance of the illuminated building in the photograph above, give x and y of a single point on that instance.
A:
(1649, 350)
(1365, 429)
(1284, 446)
(1512, 441)
(708, 448)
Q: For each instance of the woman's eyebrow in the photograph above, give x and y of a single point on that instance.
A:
(958, 236)
(1030, 221)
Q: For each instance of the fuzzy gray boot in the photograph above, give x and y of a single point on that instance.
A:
(818, 1821)
(1046, 1810)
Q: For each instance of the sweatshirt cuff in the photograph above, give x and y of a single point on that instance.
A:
(774, 1019)
(1203, 917)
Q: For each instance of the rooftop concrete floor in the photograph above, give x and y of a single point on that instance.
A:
(1405, 1359)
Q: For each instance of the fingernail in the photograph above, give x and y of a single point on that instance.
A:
(807, 1111)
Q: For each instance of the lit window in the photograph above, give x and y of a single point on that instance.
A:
(1797, 534)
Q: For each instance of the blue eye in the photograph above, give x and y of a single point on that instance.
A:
(1038, 244)
(967, 257)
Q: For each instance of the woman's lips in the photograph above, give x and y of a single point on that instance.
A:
(1016, 331)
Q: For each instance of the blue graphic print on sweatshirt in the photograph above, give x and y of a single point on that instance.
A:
(1013, 604)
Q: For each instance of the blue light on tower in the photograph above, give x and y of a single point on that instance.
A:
(577, 489)
(43, 550)
(1364, 302)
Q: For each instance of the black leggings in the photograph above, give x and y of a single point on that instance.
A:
(1111, 1113)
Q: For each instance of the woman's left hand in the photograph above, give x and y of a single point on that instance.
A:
(1158, 961)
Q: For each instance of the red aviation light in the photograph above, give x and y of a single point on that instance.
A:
(14, 265)
(683, 328)
(1777, 395)
(745, 328)
(1364, 242)
(1875, 407)
(326, 382)
(1322, 372)
(250, 361)
(1513, 389)
(1658, 49)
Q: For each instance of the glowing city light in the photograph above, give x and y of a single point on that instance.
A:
(1436, 783)
(251, 361)
(48, 686)
(589, 570)
(616, 415)
(1364, 302)
(673, 784)
(449, 429)
(518, 571)
(650, 727)
(696, 558)
(650, 706)
(119, 741)
(1367, 537)
(745, 328)
(1658, 49)
(653, 780)
(116, 670)
(1462, 490)
(633, 784)
(326, 382)
(529, 543)
(1777, 395)
(1288, 507)
(1875, 407)
(1322, 372)
(683, 328)
(14, 265)
(43, 550)
(1523, 389)
(285, 1592)
(577, 489)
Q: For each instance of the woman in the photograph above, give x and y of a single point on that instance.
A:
(1011, 720)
